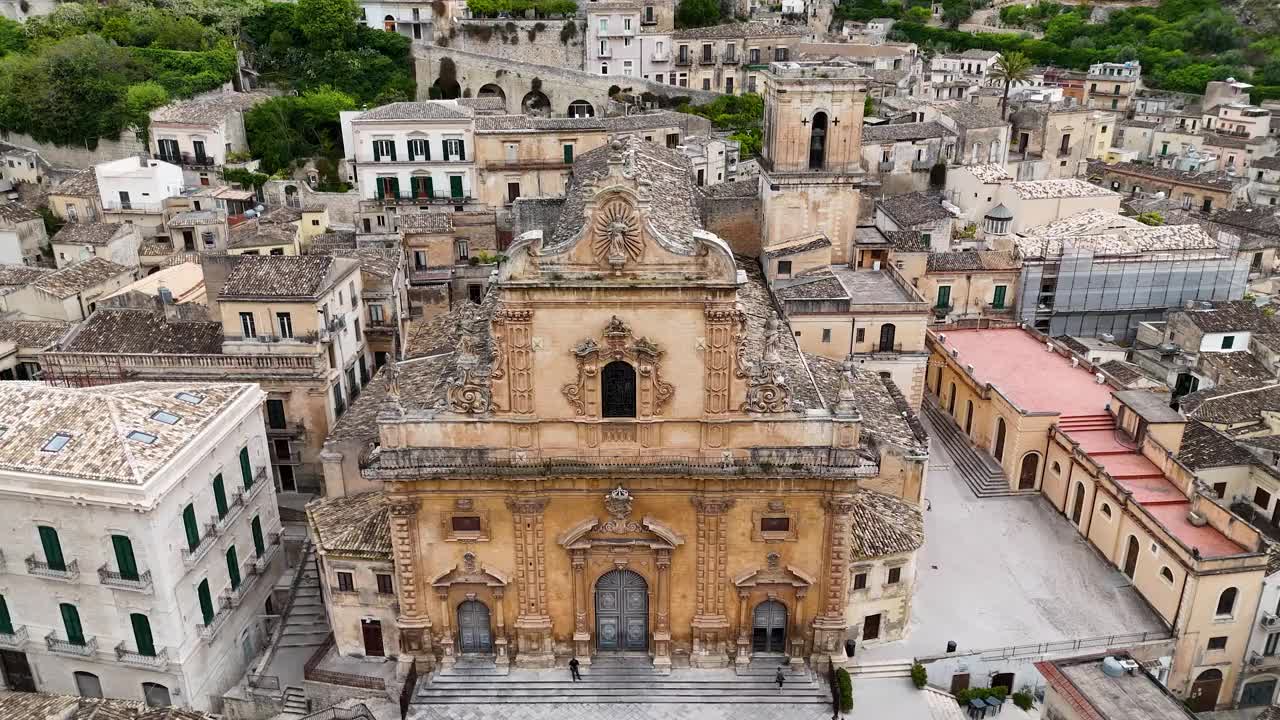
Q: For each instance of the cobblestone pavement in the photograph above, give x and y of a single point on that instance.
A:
(602, 711)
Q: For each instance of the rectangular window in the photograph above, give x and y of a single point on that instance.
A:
(465, 523)
(284, 322)
(246, 468)
(346, 582)
(233, 568)
(52, 547)
(375, 313)
(454, 150)
(1217, 643)
(192, 528)
(568, 150)
(206, 602)
(384, 584)
(784, 268)
(126, 563)
(860, 581)
(895, 576)
(275, 414)
(255, 528)
(1228, 341)
(1220, 489)
(71, 623)
(6, 622)
(384, 150)
(826, 335)
(462, 249)
(419, 149)
(775, 524)
(1262, 498)
(220, 496)
(860, 335)
(247, 327)
(513, 192)
(1273, 639)
(944, 296)
(997, 301)
(455, 187)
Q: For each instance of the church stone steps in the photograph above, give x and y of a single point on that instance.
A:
(980, 473)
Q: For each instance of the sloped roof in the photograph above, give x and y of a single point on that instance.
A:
(425, 110)
(885, 525)
(87, 233)
(1204, 447)
(77, 278)
(82, 184)
(33, 333)
(144, 332)
(277, 276)
(356, 526)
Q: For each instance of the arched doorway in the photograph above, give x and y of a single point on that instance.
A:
(535, 103)
(473, 628)
(618, 390)
(887, 332)
(818, 141)
(951, 402)
(1027, 473)
(1077, 505)
(389, 23)
(769, 628)
(1204, 691)
(1131, 560)
(446, 86)
(622, 612)
(968, 416)
(581, 108)
(997, 449)
(492, 90)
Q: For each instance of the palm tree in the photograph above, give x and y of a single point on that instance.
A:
(1011, 69)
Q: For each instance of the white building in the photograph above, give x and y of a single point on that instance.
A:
(413, 19)
(620, 41)
(22, 235)
(198, 134)
(141, 542)
(133, 189)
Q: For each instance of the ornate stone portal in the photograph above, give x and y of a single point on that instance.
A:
(616, 343)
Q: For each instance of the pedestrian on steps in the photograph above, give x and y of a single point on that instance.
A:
(779, 677)
(573, 669)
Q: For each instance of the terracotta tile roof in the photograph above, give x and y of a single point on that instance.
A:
(79, 277)
(822, 284)
(972, 261)
(143, 332)
(426, 222)
(33, 333)
(815, 244)
(98, 420)
(277, 276)
(730, 31)
(87, 233)
(1270, 162)
(20, 275)
(13, 212)
(907, 240)
(42, 706)
(1233, 316)
(1240, 365)
(83, 184)
(1125, 373)
(886, 417)
(885, 525)
(1215, 180)
(903, 132)
(427, 110)
(1232, 403)
(1204, 447)
(913, 208)
(206, 109)
(382, 262)
(354, 526)
(732, 188)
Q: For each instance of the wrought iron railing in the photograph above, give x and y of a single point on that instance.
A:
(129, 657)
(209, 630)
(192, 556)
(69, 570)
(15, 639)
(88, 648)
(111, 578)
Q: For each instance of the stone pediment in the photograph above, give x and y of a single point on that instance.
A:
(470, 572)
(774, 573)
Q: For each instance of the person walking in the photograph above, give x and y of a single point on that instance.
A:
(779, 677)
(573, 669)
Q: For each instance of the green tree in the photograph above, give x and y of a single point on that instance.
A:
(1010, 69)
(956, 13)
(1150, 218)
(284, 130)
(868, 107)
(697, 13)
(918, 14)
(327, 23)
(139, 100)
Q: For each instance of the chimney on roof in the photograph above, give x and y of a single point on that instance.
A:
(143, 159)
(1100, 378)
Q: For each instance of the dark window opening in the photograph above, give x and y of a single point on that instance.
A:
(465, 523)
(775, 524)
(618, 389)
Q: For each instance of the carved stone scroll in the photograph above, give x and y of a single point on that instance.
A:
(617, 343)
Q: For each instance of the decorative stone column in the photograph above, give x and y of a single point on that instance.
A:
(448, 641)
(414, 623)
(534, 646)
(743, 656)
(501, 653)
(797, 633)
(662, 633)
(710, 621)
(512, 378)
(581, 631)
(830, 628)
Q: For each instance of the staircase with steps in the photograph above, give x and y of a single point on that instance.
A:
(295, 702)
(620, 680)
(1087, 423)
(980, 471)
(307, 625)
(876, 670)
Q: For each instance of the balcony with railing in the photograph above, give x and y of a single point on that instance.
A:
(941, 311)
(248, 578)
(885, 166)
(235, 504)
(69, 570)
(260, 478)
(136, 206)
(88, 648)
(707, 59)
(210, 630)
(683, 60)
(730, 58)
(113, 579)
(192, 556)
(15, 640)
(660, 56)
(1001, 309)
(190, 160)
(159, 661)
(922, 165)
(269, 553)
(290, 429)
(292, 456)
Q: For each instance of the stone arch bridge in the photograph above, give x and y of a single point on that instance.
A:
(528, 87)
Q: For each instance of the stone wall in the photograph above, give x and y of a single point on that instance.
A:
(326, 695)
(541, 42)
(535, 214)
(736, 219)
(76, 156)
(342, 207)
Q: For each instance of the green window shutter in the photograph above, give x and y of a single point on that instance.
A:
(411, 144)
(392, 154)
(126, 564)
(462, 150)
(246, 468)
(52, 548)
(381, 189)
(259, 547)
(395, 187)
(568, 153)
(220, 496)
(193, 530)
(6, 623)
(426, 149)
(413, 184)
(998, 300)
(431, 191)
(206, 601)
(455, 186)
(71, 622)
(142, 634)
(944, 296)
(233, 568)
(377, 151)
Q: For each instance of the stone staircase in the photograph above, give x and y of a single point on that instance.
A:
(980, 471)
(295, 702)
(307, 625)
(621, 680)
(885, 669)
(1087, 423)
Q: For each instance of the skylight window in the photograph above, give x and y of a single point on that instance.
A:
(190, 398)
(142, 437)
(167, 418)
(57, 442)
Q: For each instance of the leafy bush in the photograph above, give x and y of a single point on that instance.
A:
(283, 130)
(964, 696)
(1023, 700)
(740, 114)
(919, 676)
(845, 685)
(514, 8)
(697, 13)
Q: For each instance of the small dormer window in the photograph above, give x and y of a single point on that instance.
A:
(143, 437)
(190, 398)
(165, 417)
(57, 442)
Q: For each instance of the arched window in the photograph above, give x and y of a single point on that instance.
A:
(977, 153)
(618, 390)
(1057, 468)
(1131, 557)
(1077, 507)
(1106, 510)
(887, 332)
(968, 416)
(1167, 574)
(997, 449)
(1227, 602)
(389, 23)
(581, 109)
(156, 695)
(88, 685)
(818, 141)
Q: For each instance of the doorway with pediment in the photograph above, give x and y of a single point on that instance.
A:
(770, 616)
(471, 610)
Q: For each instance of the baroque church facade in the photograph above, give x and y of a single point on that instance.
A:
(624, 450)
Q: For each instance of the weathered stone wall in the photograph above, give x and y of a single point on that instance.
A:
(736, 219)
(541, 42)
(535, 214)
(324, 695)
(76, 156)
(342, 207)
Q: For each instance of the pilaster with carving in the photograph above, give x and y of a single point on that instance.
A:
(830, 628)
(662, 633)
(414, 622)
(533, 622)
(512, 376)
(710, 623)
(719, 350)
(471, 392)
(581, 631)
